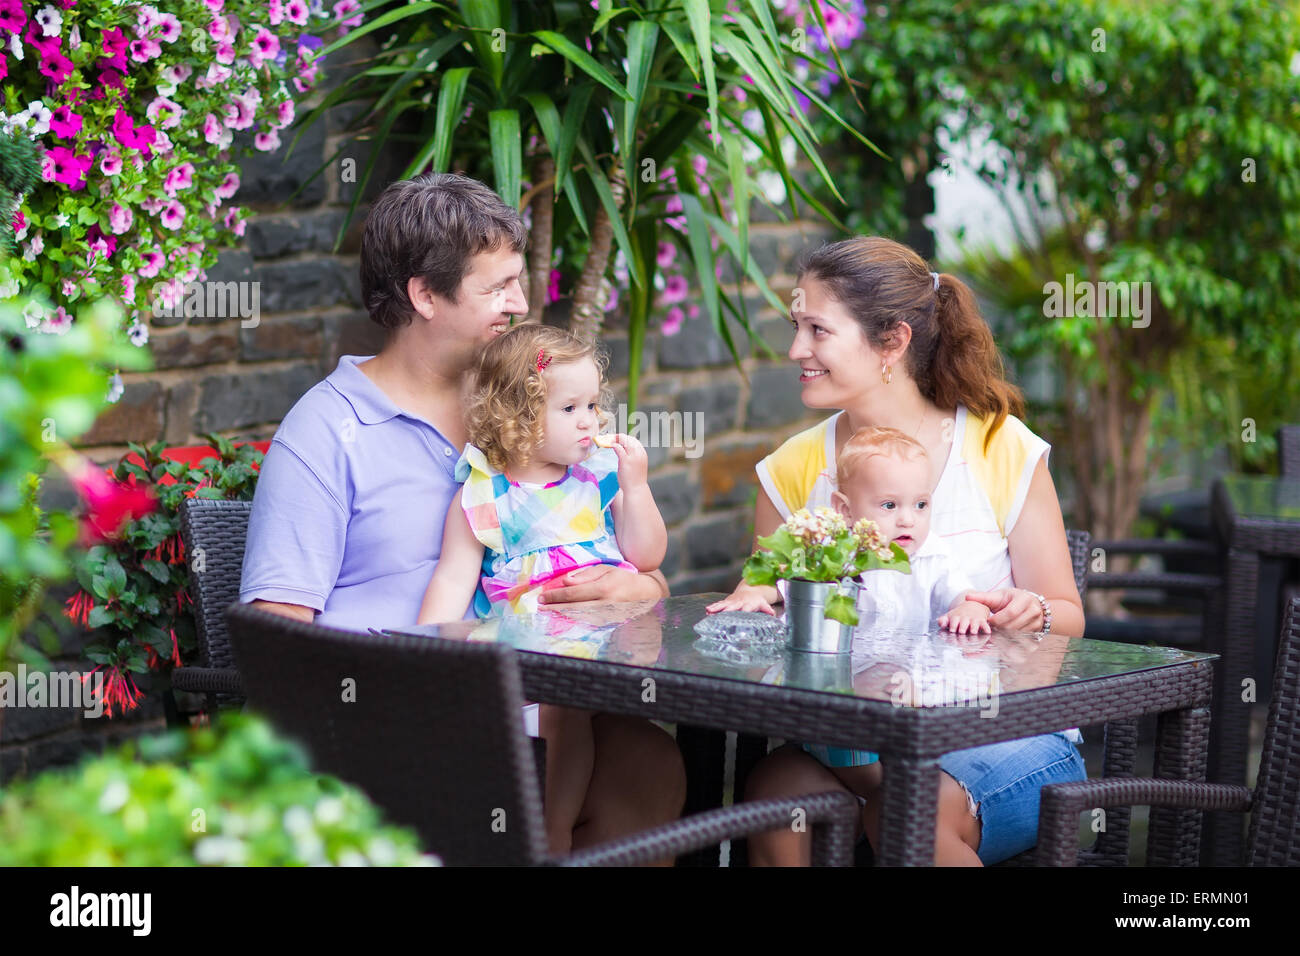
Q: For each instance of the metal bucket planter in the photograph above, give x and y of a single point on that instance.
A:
(810, 629)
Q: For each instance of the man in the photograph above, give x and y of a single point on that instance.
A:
(348, 515)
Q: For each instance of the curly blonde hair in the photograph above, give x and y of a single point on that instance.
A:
(506, 416)
(869, 442)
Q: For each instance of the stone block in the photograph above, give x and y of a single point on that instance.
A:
(252, 397)
(196, 345)
(697, 345)
(774, 396)
(718, 402)
(273, 235)
(182, 400)
(279, 338)
(12, 763)
(352, 334)
(136, 416)
(299, 286)
(676, 496)
(672, 562)
(723, 581)
(727, 476)
(26, 723)
(273, 178)
(61, 751)
(718, 542)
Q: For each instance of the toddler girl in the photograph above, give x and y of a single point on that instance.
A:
(542, 496)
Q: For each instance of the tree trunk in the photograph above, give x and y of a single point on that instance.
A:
(589, 295)
(542, 237)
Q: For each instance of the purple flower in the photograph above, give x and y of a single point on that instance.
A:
(120, 218)
(219, 29)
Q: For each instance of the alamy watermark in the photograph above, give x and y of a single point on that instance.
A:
(663, 429)
(53, 689)
(1123, 300)
(209, 300)
(946, 689)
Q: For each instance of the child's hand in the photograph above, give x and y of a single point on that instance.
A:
(633, 462)
(744, 598)
(967, 617)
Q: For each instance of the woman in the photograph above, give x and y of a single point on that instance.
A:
(890, 343)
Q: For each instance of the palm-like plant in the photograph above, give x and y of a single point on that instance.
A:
(604, 106)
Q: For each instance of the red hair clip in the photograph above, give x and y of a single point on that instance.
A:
(542, 360)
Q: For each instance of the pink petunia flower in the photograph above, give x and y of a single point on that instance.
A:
(181, 177)
(99, 243)
(55, 65)
(173, 215)
(153, 261)
(667, 254)
(113, 42)
(128, 287)
(142, 51)
(12, 16)
(111, 164)
(233, 222)
(108, 79)
(66, 167)
(132, 137)
(152, 205)
(64, 123)
(267, 142)
(177, 73)
(673, 319)
(342, 9)
(169, 28)
(4, 66)
(229, 186)
(57, 323)
(275, 12)
(169, 110)
(214, 5)
(692, 311)
(675, 289)
(219, 29)
(225, 54)
(120, 218)
(296, 11)
(266, 46)
(212, 128)
(284, 113)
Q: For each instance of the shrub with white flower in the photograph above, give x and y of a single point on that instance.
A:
(820, 546)
(136, 108)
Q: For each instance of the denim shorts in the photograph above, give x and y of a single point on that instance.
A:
(1002, 783)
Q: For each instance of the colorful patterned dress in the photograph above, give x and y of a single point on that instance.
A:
(534, 534)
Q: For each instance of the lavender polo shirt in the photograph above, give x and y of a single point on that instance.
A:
(350, 505)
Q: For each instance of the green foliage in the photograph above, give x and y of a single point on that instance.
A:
(20, 170)
(51, 389)
(820, 546)
(138, 581)
(237, 795)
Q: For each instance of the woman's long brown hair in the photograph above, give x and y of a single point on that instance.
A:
(952, 356)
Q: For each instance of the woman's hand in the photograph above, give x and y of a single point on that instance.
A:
(747, 598)
(1014, 609)
(605, 582)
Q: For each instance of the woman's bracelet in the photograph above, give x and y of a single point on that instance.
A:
(1047, 611)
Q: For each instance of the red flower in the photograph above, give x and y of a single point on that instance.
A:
(109, 504)
(78, 607)
(118, 689)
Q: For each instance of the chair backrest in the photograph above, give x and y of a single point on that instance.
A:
(214, 532)
(430, 729)
(1288, 451)
(1275, 814)
(1078, 542)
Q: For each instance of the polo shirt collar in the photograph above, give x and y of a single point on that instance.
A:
(367, 399)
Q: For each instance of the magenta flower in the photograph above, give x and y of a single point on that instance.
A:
(12, 15)
(132, 137)
(674, 204)
(4, 66)
(342, 9)
(229, 186)
(173, 215)
(667, 254)
(181, 177)
(146, 18)
(274, 12)
(284, 113)
(128, 287)
(153, 261)
(64, 123)
(673, 319)
(55, 65)
(142, 51)
(99, 243)
(675, 290)
(296, 11)
(108, 79)
(64, 166)
(120, 218)
(114, 44)
(214, 5)
(212, 129)
(692, 311)
(219, 29)
(226, 54)
(169, 28)
(553, 289)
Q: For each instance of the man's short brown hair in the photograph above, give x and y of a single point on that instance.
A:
(431, 226)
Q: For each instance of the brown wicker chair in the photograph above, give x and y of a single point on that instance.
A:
(430, 729)
(1274, 838)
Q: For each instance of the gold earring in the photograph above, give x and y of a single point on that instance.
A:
(886, 373)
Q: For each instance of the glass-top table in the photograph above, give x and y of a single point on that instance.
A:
(910, 698)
